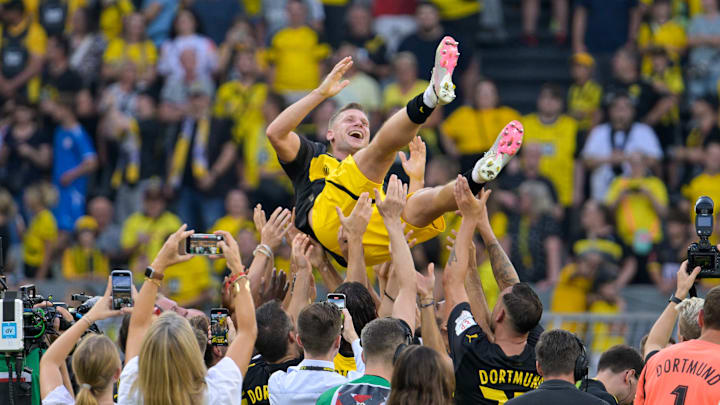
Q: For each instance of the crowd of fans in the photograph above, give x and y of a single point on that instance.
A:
(123, 120)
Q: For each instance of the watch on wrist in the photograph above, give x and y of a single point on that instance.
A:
(675, 299)
(152, 274)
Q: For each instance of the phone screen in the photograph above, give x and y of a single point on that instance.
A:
(337, 299)
(121, 281)
(203, 244)
(218, 327)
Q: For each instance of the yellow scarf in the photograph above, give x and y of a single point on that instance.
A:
(182, 147)
(128, 163)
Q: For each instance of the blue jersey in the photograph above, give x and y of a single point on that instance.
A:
(70, 148)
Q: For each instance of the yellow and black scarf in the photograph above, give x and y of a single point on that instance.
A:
(199, 150)
(128, 164)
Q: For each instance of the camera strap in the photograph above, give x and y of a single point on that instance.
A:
(693, 291)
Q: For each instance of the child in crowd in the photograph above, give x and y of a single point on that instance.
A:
(41, 236)
(83, 260)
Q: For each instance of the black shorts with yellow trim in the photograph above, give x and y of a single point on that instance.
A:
(342, 188)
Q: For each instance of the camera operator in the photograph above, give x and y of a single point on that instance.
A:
(558, 355)
(617, 377)
(277, 349)
(95, 362)
(686, 373)
(662, 328)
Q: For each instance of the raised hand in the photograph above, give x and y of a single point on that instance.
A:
(274, 230)
(259, 218)
(685, 280)
(169, 254)
(301, 252)
(356, 224)
(392, 207)
(231, 252)
(333, 82)
(414, 166)
(103, 308)
(426, 284)
(469, 206)
(275, 288)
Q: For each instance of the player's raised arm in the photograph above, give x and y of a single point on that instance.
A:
(280, 131)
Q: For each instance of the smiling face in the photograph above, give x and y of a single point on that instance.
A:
(349, 132)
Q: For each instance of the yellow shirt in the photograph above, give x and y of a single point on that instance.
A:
(571, 295)
(456, 9)
(394, 97)
(669, 35)
(42, 230)
(343, 364)
(636, 212)
(35, 41)
(157, 229)
(242, 104)
(474, 131)
(296, 54)
(76, 260)
(185, 282)
(558, 142)
(111, 18)
(673, 80)
(233, 226)
(584, 100)
(252, 7)
(143, 54)
(682, 7)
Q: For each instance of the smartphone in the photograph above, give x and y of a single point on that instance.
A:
(337, 299)
(203, 244)
(218, 326)
(121, 288)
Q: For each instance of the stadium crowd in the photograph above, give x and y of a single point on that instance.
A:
(127, 125)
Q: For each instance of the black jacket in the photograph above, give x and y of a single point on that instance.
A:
(556, 392)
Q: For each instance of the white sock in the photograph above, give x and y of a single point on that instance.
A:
(429, 97)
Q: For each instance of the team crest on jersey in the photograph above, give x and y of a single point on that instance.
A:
(464, 322)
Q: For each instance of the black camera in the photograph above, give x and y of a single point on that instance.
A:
(702, 253)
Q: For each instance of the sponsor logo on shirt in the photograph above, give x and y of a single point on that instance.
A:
(464, 322)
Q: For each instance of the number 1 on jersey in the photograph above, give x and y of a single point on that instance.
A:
(680, 393)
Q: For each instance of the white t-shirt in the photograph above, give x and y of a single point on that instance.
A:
(224, 384)
(59, 396)
(641, 138)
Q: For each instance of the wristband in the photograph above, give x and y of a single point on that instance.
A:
(388, 295)
(264, 249)
(675, 299)
(429, 304)
(154, 281)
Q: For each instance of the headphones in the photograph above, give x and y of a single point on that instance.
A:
(407, 339)
(582, 363)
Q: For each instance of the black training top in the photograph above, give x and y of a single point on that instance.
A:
(484, 374)
(556, 392)
(255, 383)
(597, 389)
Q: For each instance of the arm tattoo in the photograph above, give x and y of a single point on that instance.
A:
(503, 269)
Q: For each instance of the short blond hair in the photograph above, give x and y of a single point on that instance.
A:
(346, 107)
(688, 311)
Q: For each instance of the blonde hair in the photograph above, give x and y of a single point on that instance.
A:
(688, 311)
(171, 366)
(540, 196)
(7, 204)
(95, 363)
(44, 193)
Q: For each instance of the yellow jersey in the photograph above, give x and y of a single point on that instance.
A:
(394, 97)
(43, 229)
(558, 141)
(111, 18)
(296, 54)
(143, 54)
(474, 131)
(79, 263)
(584, 100)
(185, 281)
(157, 229)
(669, 35)
(635, 213)
(343, 365)
(243, 104)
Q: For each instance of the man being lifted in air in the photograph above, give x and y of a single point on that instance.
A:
(324, 180)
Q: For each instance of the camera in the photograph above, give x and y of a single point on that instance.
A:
(703, 253)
